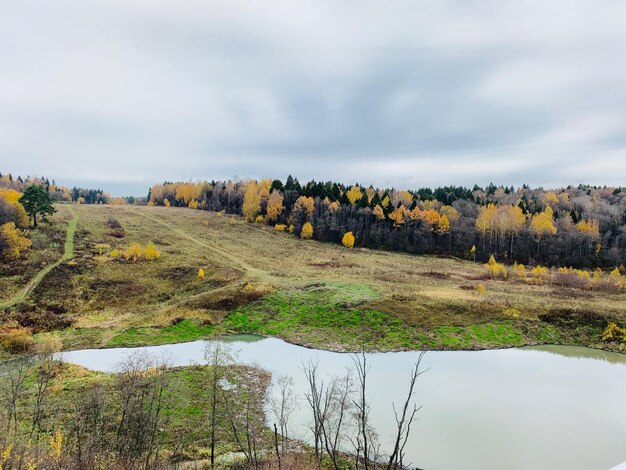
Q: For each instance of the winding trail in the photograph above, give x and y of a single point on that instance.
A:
(68, 253)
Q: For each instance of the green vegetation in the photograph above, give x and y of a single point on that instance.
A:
(257, 279)
(185, 330)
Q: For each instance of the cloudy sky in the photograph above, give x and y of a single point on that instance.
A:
(123, 93)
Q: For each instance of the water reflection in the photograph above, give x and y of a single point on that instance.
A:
(542, 407)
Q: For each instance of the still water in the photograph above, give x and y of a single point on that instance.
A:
(550, 407)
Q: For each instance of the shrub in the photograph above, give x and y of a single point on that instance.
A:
(307, 231)
(13, 241)
(613, 332)
(16, 338)
(481, 289)
(540, 274)
(201, 273)
(280, 227)
(496, 270)
(291, 229)
(150, 252)
(115, 253)
(259, 219)
(193, 204)
(518, 271)
(133, 252)
(348, 240)
(571, 277)
(113, 222)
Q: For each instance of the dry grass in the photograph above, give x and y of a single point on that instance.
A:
(244, 262)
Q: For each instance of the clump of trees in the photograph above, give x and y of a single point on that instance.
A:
(581, 226)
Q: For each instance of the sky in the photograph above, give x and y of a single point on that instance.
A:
(121, 94)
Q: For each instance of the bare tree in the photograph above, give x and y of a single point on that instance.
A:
(244, 413)
(219, 356)
(314, 399)
(283, 405)
(405, 419)
(12, 389)
(141, 384)
(44, 373)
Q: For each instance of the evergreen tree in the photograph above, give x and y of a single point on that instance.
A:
(36, 201)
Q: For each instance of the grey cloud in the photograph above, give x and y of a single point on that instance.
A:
(124, 93)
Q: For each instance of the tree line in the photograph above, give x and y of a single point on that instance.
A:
(581, 226)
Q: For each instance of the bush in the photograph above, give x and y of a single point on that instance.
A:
(150, 252)
(613, 332)
(307, 231)
(280, 227)
(13, 241)
(496, 270)
(518, 271)
(133, 252)
(16, 338)
(540, 274)
(259, 219)
(348, 240)
(113, 222)
(571, 277)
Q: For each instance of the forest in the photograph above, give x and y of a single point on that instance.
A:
(582, 226)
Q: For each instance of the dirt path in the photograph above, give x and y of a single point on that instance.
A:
(250, 270)
(68, 253)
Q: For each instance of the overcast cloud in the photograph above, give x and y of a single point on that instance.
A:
(123, 93)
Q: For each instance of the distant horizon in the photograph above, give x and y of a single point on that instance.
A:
(115, 189)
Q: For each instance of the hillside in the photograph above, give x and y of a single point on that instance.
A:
(264, 281)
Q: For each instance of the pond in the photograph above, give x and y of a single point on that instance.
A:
(548, 407)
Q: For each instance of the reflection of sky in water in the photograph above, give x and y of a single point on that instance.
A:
(550, 407)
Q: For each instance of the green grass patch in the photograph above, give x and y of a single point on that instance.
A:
(323, 313)
(186, 330)
(470, 337)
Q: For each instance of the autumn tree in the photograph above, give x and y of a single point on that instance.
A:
(378, 212)
(307, 231)
(543, 224)
(274, 206)
(348, 240)
(397, 216)
(354, 194)
(443, 226)
(13, 241)
(251, 201)
(37, 202)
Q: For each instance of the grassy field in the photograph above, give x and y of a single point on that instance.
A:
(259, 280)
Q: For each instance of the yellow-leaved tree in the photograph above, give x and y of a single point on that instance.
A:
(13, 241)
(348, 240)
(354, 194)
(543, 224)
(443, 226)
(251, 201)
(484, 221)
(307, 231)
(397, 216)
(274, 206)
